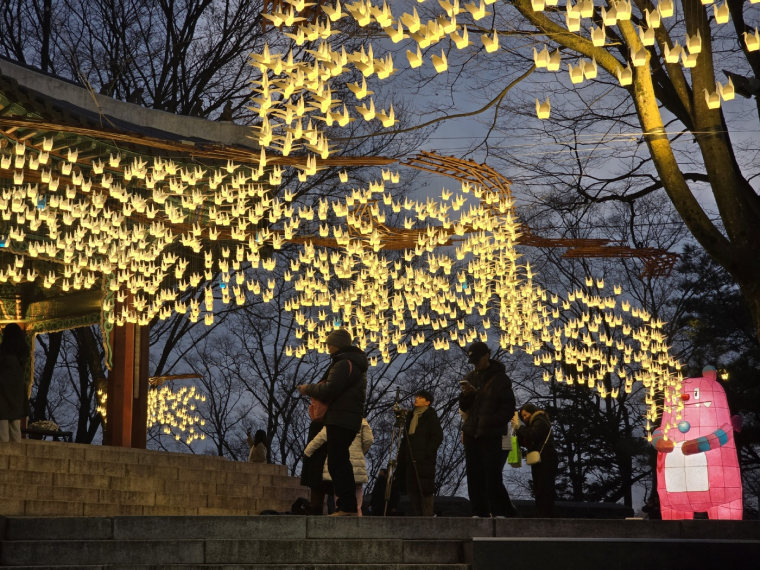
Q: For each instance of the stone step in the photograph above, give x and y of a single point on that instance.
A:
(245, 527)
(43, 553)
(299, 527)
(401, 566)
(22, 481)
(592, 553)
(42, 468)
(244, 485)
(230, 472)
(81, 453)
(227, 506)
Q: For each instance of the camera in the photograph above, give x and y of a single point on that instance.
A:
(399, 412)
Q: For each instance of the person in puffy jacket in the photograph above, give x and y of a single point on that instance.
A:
(488, 404)
(536, 435)
(359, 448)
(14, 402)
(344, 389)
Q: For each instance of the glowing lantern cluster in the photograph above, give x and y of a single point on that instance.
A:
(296, 95)
(176, 412)
(71, 221)
(605, 343)
(383, 294)
(353, 281)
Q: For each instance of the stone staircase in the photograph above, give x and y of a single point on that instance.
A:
(236, 543)
(39, 478)
(372, 543)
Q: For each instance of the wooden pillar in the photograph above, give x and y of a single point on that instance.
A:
(120, 389)
(127, 404)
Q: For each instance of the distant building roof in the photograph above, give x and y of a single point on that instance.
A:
(64, 101)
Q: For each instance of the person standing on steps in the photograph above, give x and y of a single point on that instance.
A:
(258, 445)
(14, 403)
(359, 448)
(536, 435)
(487, 403)
(423, 436)
(344, 390)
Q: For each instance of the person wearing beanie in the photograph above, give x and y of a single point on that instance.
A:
(344, 389)
(487, 403)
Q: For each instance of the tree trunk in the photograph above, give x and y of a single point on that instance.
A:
(93, 356)
(84, 400)
(43, 386)
(89, 365)
(47, 13)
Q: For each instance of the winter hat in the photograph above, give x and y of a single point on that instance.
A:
(476, 351)
(339, 338)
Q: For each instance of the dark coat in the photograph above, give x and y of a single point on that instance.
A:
(14, 402)
(533, 436)
(344, 393)
(422, 446)
(490, 408)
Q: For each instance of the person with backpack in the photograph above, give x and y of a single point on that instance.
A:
(14, 401)
(487, 403)
(343, 390)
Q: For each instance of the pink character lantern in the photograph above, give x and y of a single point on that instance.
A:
(697, 465)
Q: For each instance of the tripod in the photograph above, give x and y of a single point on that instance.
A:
(399, 428)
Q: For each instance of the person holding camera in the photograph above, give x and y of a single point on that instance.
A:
(536, 435)
(344, 389)
(423, 436)
(487, 403)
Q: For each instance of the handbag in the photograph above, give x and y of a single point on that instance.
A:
(318, 408)
(534, 457)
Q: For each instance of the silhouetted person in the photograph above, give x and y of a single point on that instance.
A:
(14, 402)
(536, 435)
(259, 447)
(488, 404)
(344, 389)
(419, 450)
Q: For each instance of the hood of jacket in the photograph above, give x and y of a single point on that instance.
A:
(494, 367)
(355, 354)
(538, 415)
